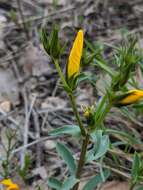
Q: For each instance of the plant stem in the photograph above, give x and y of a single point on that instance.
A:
(132, 186)
(60, 72)
(81, 159)
(72, 99)
(82, 129)
(74, 107)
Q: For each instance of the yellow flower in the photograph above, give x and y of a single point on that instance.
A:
(88, 111)
(73, 66)
(130, 97)
(9, 184)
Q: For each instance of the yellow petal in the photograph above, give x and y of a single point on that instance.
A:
(132, 97)
(9, 184)
(73, 66)
(13, 187)
(6, 182)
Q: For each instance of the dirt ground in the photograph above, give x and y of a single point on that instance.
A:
(31, 100)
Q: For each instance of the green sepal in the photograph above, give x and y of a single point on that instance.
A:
(72, 81)
(75, 80)
(67, 88)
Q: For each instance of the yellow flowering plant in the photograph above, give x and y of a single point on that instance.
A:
(130, 97)
(9, 184)
(93, 131)
(103, 147)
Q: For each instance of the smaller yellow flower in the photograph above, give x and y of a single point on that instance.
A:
(87, 110)
(86, 113)
(128, 98)
(9, 184)
(73, 66)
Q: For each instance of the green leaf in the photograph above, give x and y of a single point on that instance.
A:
(136, 167)
(93, 182)
(45, 40)
(67, 129)
(87, 57)
(67, 88)
(23, 172)
(100, 147)
(86, 77)
(66, 155)
(54, 183)
(89, 45)
(105, 67)
(54, 43)
(100, 109)
(69, 183)
(129, 137)
(139, 188)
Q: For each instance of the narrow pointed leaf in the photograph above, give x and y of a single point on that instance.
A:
(139, 188)
(69, 183)
(93, 182)
(54, 183)
(66, 155)
(67, 129)
(101, 146)
(136, 166)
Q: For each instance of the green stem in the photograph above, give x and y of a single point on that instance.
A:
(82, 129)
(72, 99)
(132, 186)
(60, 72)
(74, 107)
(81, 159)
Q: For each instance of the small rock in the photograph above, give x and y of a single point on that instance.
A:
(49, 144)
(5, 106)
